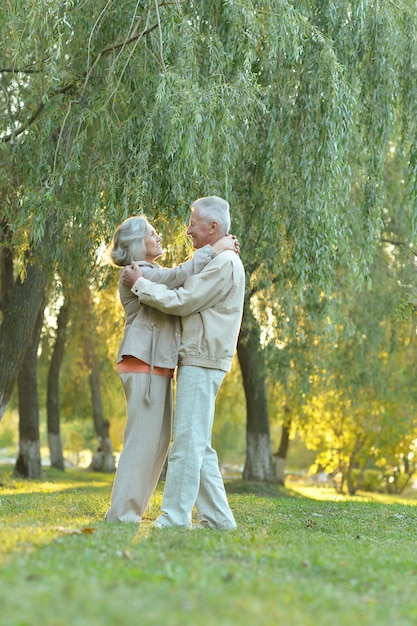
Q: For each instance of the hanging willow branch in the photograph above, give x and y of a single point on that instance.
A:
(402, 244)
(37, 112)
(72, 86)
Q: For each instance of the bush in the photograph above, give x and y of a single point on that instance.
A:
(370, 480)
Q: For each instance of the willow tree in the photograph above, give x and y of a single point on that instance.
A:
(113, 108)
(359, 412)
(339, 87)
(106, 110)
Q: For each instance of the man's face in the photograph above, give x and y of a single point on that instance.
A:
(200, 231)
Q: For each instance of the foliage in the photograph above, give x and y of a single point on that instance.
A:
(360, 411)
(370, 480)
(229, 423)
(7, 437)
(292, 559)
(301, 114)
(118, 110)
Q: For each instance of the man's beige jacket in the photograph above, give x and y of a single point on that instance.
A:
(210, 305)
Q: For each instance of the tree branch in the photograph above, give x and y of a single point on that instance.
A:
(403, 244)
(61, 90)
(35, 115)
(14, 70)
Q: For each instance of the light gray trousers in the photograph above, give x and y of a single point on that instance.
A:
(193, 475)
(145, 446)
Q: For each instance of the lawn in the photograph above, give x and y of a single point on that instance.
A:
(298, 558)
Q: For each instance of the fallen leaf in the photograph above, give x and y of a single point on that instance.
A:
(88, 531)
(75, 531)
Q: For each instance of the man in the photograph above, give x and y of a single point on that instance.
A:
(210, 305)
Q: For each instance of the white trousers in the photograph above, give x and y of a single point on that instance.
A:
(193, 474)
(145, 446)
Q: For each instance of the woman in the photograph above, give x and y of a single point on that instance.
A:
(146, 361)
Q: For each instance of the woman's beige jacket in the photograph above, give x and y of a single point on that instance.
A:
(149, 335)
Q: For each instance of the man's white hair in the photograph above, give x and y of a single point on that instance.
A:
(214, 208)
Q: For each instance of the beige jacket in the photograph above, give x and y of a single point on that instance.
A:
(150, 335)
(210, 305)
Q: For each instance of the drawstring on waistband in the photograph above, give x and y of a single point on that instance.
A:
(148, 395)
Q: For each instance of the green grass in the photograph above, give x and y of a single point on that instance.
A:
(294, 560)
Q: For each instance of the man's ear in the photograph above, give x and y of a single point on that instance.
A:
(213, 227)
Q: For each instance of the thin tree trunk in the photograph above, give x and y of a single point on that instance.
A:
(352, 487)
(258, 465)
(52, 402)
(6, 268)
(103, 458)
(280, 457)
(28, 464)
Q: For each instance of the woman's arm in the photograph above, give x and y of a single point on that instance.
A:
(176, 276)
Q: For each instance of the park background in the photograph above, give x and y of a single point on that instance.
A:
(302, 115)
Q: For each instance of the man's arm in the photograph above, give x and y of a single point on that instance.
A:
(176, 276)
(200, 291)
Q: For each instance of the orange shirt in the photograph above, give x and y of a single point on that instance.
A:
(132, 364)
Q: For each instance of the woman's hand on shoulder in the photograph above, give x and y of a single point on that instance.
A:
(130, 274)
(228, 242)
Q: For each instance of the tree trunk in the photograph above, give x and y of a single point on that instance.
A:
(258, 465)
(103, 458)
(28, 464)
(280, 456)
(20, 310)
(52, 402)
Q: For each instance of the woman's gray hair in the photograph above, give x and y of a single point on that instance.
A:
(128, 243)
(214, 209)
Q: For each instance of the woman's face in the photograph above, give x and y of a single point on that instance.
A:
(152, 244)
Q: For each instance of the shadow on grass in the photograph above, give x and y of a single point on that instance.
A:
(260, 489)
(50, 474)
(54, 482)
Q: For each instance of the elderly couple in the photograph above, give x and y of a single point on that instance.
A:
(189, 315)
